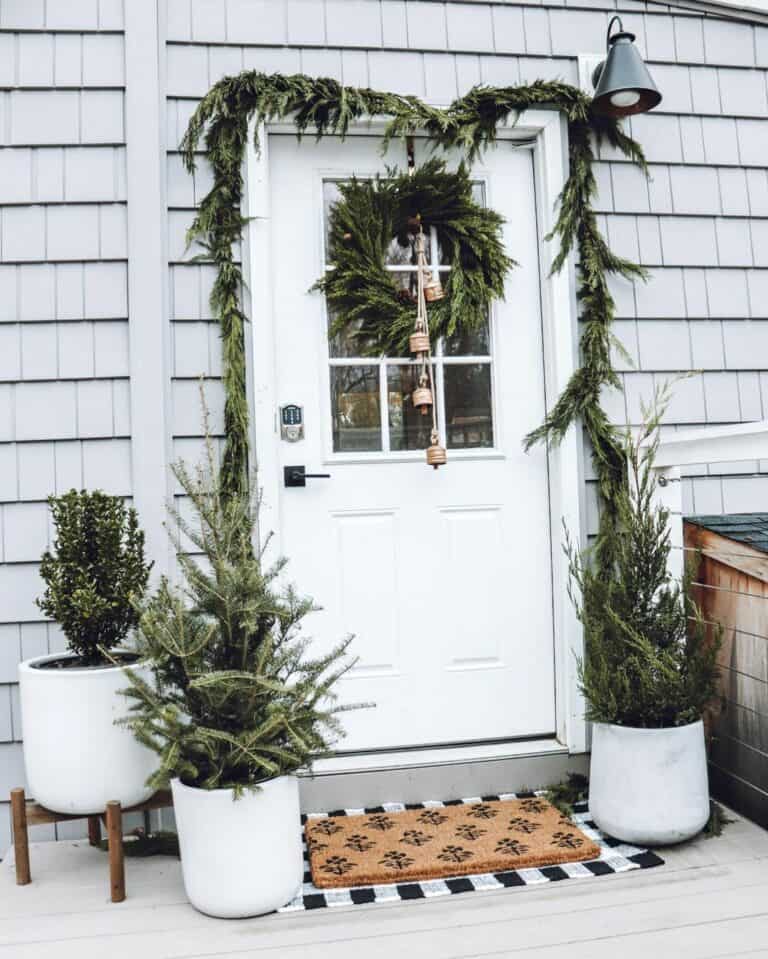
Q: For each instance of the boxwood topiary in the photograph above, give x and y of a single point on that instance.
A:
(94, 573)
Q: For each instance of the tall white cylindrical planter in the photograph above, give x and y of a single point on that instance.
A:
(240, 857)
(649, 786)
(76, 758)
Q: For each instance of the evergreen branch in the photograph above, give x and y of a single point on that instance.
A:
(234, 699)
(650, 659)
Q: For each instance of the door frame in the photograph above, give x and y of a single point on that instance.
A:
(545, 132)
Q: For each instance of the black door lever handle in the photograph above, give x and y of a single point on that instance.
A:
(298, 476)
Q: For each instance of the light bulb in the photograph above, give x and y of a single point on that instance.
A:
(625, 98)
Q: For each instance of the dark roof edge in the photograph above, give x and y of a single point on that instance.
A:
(723, 11)
(751, 529)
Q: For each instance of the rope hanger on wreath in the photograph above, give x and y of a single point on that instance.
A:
(424, 395)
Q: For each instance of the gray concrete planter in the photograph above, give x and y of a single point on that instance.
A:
(649, 787)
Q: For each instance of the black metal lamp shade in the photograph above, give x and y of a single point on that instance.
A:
(623, 85)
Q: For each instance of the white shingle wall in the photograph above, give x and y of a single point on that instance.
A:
(64, 343)
(700, 224)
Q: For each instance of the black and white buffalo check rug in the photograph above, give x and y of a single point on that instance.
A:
(614, 857)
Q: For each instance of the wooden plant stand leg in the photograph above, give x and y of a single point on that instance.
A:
(94, 830)
(20, 837)
(116, 858)
(25, 814)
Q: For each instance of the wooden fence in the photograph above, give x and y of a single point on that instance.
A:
(730, 562)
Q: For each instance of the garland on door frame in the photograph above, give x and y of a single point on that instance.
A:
(468, 124)
(362, 299)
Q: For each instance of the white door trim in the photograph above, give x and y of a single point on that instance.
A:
(548, 132)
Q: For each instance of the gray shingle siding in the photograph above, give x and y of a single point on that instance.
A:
(64, 386)
(700, 224)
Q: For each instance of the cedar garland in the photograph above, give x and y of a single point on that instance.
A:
(469, 124)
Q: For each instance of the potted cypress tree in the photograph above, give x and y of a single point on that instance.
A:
(649, 672)
(76, 758)
(237, 706)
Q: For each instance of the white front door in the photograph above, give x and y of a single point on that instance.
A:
(444, 577)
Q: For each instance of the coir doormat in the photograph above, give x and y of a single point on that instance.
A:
(612, 857)
(433, 843)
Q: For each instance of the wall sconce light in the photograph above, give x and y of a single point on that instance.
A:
(622, 83)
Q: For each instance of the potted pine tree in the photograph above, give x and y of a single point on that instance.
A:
(649, 671)
(76, 758)
(236, 708)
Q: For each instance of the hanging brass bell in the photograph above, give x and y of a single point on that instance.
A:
(419, 343)
(436, 455)
(422, 397)
(433, 291)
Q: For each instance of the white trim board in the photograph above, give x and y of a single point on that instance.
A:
(713, 444)
(547, 133)
(439, 756)
(148, 302)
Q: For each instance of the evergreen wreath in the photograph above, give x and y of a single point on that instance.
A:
(221, 120)
(362, 299)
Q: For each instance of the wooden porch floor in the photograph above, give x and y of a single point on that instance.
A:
(709, 900)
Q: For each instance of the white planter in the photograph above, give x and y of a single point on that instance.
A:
(76, 759)
(240, 857)
(649, 786)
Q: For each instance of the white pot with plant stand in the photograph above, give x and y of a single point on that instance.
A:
(649, 786)
(77, 759)
(240, 856)
(650, 669)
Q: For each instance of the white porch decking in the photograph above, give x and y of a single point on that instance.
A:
(710, 899)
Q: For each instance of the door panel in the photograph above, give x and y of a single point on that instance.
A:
(444, 577)
(366, 561)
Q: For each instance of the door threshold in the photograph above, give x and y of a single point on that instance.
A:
(436, 756)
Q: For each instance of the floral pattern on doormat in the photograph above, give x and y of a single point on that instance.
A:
(614, 857)
(424, 844)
